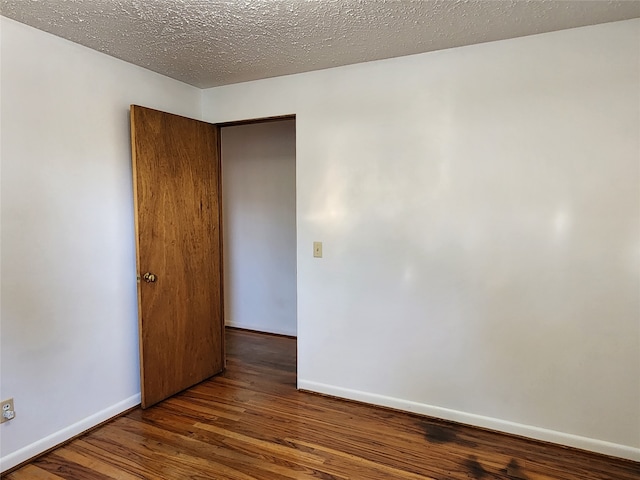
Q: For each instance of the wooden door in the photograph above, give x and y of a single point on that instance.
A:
(176, 176)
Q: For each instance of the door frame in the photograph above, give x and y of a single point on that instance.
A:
(252, 121)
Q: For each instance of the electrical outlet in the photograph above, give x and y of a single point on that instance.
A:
(8, 412)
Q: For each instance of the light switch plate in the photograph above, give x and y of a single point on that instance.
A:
(317, 249)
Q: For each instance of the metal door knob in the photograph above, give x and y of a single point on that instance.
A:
(149, 277)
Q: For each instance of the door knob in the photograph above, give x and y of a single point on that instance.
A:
(149, 277)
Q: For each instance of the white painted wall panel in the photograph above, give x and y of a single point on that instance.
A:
(69, 346)
(480, 214)
(259, 202)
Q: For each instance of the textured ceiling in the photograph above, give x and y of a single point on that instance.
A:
(216, 42)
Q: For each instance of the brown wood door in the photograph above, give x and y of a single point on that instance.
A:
(176, 177)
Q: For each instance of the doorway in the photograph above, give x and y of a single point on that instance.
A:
(178, 213)
(259, 226)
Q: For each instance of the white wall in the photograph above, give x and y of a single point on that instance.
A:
(69, 347)
(259, 202)
(480, 214)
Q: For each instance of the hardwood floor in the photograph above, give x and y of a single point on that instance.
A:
(251, 423)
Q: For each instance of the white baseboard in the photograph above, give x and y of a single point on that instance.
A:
(261, 328)
(552, 436)
(61, 436)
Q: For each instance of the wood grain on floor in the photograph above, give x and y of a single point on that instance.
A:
(252, 423)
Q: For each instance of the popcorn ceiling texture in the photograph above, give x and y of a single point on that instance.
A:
(216, 42)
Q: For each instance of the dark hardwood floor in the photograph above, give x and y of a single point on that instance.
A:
(251, 423)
